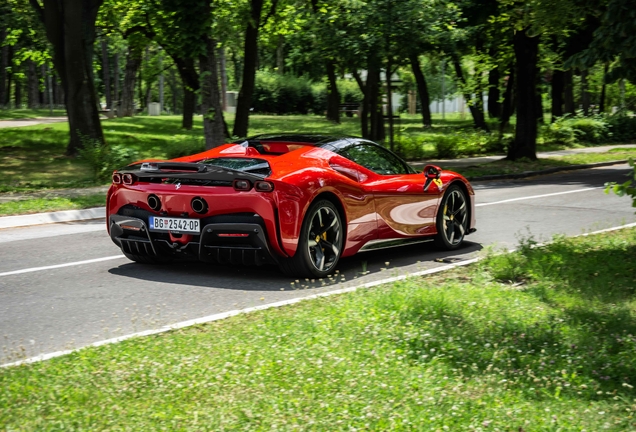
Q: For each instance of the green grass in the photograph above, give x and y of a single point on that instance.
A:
(517, 167)
(540, 340)
(12, 114)
(46, 204)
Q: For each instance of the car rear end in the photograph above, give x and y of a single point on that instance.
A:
(160, 211)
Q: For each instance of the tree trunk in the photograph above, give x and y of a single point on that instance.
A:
(133, 62)
(494, 106)
(364, 111)
(189, 104)
(389, 102)
(526, 55)
(476, 110)
(244, 102)
(116, 96)
(211, 109)
(585, 95)
(191, 85)
(601, 103)
(73, 60)
(106, 74)
(333, 97)
(33, 88)
(507, 107)
(569, 93)
(42, 86)
(17, 93)
(58, 92)
(173, 90)
(422, 90)
(558, 85)
(376, 126)
(280, 55)
(4, 63)
(223, 72)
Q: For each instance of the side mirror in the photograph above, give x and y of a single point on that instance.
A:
(431, 173)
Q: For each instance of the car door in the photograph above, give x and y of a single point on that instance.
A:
(403, 208)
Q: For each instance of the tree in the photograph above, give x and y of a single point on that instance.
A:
(248, 79)
(70, 28)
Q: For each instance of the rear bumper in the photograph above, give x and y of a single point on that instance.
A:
(248, 246)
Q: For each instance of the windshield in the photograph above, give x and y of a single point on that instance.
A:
(248, 165)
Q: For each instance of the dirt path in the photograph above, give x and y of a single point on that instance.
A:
(30, 122)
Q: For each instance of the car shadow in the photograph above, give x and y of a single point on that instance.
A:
(361, 268)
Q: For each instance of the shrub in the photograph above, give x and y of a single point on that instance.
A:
(560, 132)
(569, 131)
(410, 148)
(103, 159)
(282, 94)
(184, 145)
(622, 127)
(466, 143)
(591, 130)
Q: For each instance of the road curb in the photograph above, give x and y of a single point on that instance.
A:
(545, 172)
(52, 217)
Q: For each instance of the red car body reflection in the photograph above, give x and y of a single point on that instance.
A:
(306, 196)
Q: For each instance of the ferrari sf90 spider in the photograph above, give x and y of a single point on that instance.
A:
(299, 201)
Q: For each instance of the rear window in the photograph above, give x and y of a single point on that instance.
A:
(248, 165)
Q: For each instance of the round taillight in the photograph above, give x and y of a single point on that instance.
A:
(127, 179)
(264, 186)
(242, 185)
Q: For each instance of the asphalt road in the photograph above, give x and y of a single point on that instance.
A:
(52, 309)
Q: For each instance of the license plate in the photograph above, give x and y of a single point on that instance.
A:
(176, 225)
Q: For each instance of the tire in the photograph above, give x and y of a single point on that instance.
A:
(144, 259)
(452, 219)
(319, 245)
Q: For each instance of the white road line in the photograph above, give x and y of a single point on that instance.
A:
(536, 196)
(76, 263)
(224, 315)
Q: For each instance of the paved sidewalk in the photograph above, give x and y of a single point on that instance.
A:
(31, 122)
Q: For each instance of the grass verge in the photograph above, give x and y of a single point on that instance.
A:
(539, 340)
(48, 204)
(521, 166)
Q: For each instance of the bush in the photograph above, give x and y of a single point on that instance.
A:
(578, 129)
(560, 132)
(465, 143)
(103, 159)
(410, 148)
(622, 127)
(282, 94)
(184, 145)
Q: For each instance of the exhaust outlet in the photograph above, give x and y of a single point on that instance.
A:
(154, 202)
(199, 205)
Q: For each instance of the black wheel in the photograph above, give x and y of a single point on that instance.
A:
(320, 243)
(452, 219)
(145, 259)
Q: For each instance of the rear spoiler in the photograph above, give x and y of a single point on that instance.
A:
(186, 170)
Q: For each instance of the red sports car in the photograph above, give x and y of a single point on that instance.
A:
(299, 201)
